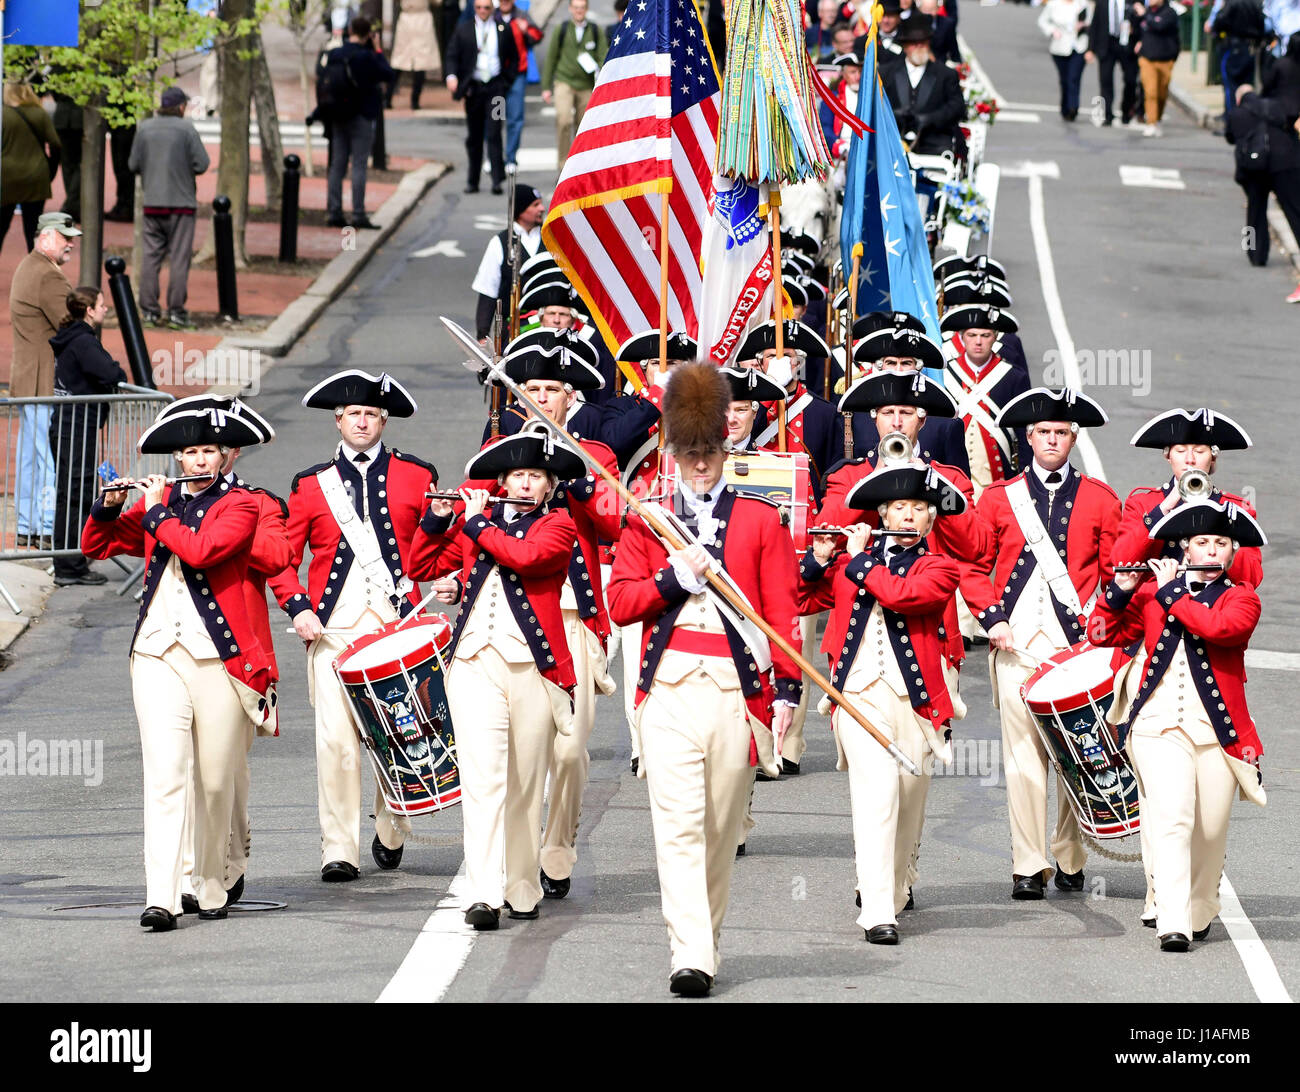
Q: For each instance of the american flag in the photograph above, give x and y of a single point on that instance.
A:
(650, 128)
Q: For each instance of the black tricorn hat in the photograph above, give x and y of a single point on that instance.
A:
(898, 389)
(751, 385)
(903, 342)
(550, 292)
(795, 290)
(795, 335)
(946, 267)
(967, 288)
(813, 287)
(881, 320)
(891, 483)
(1207, 517)
(222, 402)
(540, 264)
(559, 364)
(189, 428)
(978, 316)
(645, 346)
(919, 28)
(357, 388)
(1199, 426)
(1044, 404)
(531, 448)
(548, 338)
(800, 242)
(798, 261)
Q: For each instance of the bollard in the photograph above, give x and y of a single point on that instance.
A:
(289, 209)
(379, 150)
(223, 237)
(128, 321)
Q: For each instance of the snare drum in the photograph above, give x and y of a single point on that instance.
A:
(779, 477)
(1069, 696)
(395, 683)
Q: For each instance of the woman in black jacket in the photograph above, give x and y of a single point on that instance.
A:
(1263, 128)
(1157, 51)
(81, 367)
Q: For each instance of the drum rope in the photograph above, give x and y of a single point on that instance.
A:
(1098, 848)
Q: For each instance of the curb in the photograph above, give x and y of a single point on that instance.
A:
(278, 338)
(30, 585)
(1277, 223)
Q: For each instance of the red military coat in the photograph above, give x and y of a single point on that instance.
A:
(1082, 524)
(1142, 512)
(913, 591)
(755, 551)
(213, 539)
(1214, 627)
(395, 488)
(536, 548)
(270, 554)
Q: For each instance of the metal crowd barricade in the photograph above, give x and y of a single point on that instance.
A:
(53, 450)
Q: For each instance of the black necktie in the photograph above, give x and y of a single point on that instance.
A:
(181, 500)
(1054, 478)
(895, 550)
(362, 459)
(1195, 587)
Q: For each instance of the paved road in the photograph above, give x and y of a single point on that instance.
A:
(1151, 270)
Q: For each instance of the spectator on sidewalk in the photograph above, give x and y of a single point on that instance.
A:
(68, 125)
(38, 300)
(1263, 132)
(1239, 25)
(81, 367)
(1065, 22)
(482, 64)
(168, 155)
(120, 143)
(576, 53)
(1112, 36)
(1157, 50)
(415, 50)
(349, 97)
(26, 168)
(527, 34)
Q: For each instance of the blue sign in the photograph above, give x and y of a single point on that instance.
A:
(41, 23)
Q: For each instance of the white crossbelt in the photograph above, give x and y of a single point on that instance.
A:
(968, 401)
(799, 405)
(1039, 542)
(360, 535)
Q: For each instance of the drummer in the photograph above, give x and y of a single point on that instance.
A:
(1189, 733)
(358, 513)
(511, 678)
(1053, 531)
(887, 596)
(1190, 440)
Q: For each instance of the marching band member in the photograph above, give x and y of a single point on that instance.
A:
(198, 670)
(1190, 440)
(981, 383)
(510, 680)
(1189, 733)
(581, 419)
(1053, 530)
(887, 601)
(358, 513)
(704, 703)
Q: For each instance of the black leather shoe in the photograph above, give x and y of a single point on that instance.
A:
(472, 189)
(554, 889)
(89, 577)
(215, 914)
(364, 223)
(385, 858)
(498, 189)
(740, 850)
(158, 919)
(1148, 923)
(482, 916)
(1201, 934)
(236, 892)
(189, 904)
(523, 915)
(790, 769)
(857, 899)
(636, 763)
(762, 775)
(339, 872)
(1068, 881)
(688, 982)
(883, 934)
(1174, 942)
(336, 222)
(1027, 888)
(911, 902)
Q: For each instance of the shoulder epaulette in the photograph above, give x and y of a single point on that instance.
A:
(407, 458)
(310, 472)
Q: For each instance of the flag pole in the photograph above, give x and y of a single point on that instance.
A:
(848, 343)
(778, 294)
(663, 299)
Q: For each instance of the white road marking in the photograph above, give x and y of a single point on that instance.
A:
(1273, 661)
(448, 248)
(1259, 965)
(1027, 168)
(487, 222)
(537, 159)
(1037, 107)
(1018, 115)
(439, 952)
(1156, 178)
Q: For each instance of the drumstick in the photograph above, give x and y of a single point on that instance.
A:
(324, 632)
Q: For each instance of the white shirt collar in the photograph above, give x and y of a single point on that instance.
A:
(1042, 474)
(372, 453)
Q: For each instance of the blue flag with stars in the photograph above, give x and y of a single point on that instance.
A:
(881, 212)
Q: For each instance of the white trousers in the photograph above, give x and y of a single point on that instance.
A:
(630, 643)
(192, 731)
(505, 730)
(888, 802)
(695, 752)
(1186, 794)
(794, 746)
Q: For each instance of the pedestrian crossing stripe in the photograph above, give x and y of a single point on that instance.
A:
(1157, 178)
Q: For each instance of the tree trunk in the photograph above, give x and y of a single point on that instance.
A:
(268, 126)
(92, 197)
(232, 168)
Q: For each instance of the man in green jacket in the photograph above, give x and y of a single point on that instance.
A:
(576, 53)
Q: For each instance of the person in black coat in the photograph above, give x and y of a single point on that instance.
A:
(1264, 131)
(81, 367)
(480, 82)
(929, 104)
(1111, 38)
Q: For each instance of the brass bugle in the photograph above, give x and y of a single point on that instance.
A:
(895, 447)
(1194, 484)
(1143, 567)
(433, 495)
(170, 481)
(875, 532)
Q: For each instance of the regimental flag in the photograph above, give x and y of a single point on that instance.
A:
(881, 212)
(737, 293)
(650, 128)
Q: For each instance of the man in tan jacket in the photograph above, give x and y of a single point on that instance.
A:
(37, 303)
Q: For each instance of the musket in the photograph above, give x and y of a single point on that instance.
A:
(678, 538)
(511, 213)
